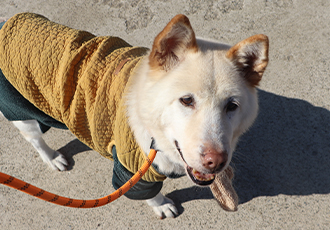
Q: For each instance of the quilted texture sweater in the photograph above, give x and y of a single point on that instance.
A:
(78, 79)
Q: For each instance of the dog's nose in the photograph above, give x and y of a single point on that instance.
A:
(214, 160)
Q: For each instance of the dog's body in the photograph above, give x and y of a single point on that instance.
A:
(194, 97)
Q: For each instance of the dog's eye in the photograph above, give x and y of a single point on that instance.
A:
(187, 101)
(231, 106)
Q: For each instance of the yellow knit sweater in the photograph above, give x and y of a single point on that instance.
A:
(76, 78)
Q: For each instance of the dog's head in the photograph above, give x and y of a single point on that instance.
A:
(197, 97)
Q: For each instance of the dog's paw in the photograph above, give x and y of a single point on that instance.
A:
(57, 162)
(163, 206)
(166, 210)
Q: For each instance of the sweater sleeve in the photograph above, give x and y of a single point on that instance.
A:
(142, 190)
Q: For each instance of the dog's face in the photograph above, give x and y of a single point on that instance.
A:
(198, 97)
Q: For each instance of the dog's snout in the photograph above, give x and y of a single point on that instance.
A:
(214, 160)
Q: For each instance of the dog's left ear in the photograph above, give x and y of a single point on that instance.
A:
(251, 57)
(172, 44)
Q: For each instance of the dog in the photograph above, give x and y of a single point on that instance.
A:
(194, 97)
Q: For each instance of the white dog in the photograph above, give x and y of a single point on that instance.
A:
(194, 97)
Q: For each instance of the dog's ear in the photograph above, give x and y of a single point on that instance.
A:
(251, 57)
(172, 44)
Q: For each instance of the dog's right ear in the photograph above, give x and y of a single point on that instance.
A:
(172, 44)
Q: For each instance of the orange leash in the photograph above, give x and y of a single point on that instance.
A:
(73, 203)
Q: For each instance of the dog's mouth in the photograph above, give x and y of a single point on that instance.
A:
(202, 179)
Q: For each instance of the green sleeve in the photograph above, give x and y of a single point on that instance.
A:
(142, 190)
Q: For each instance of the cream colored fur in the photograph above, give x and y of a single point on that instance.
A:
(155, 110)
(214, 75)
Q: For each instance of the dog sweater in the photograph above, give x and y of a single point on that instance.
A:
(78, 79)
(70, 78)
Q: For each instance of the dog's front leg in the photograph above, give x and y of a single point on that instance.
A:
(31, 131)
(163, 206)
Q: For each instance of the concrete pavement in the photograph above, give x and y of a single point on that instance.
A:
(282, 164)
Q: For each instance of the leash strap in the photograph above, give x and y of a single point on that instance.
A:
(75, 203)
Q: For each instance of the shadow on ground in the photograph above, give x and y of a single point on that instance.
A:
(72, 148)
(287, 151)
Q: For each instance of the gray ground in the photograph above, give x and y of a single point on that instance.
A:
(282, 163)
